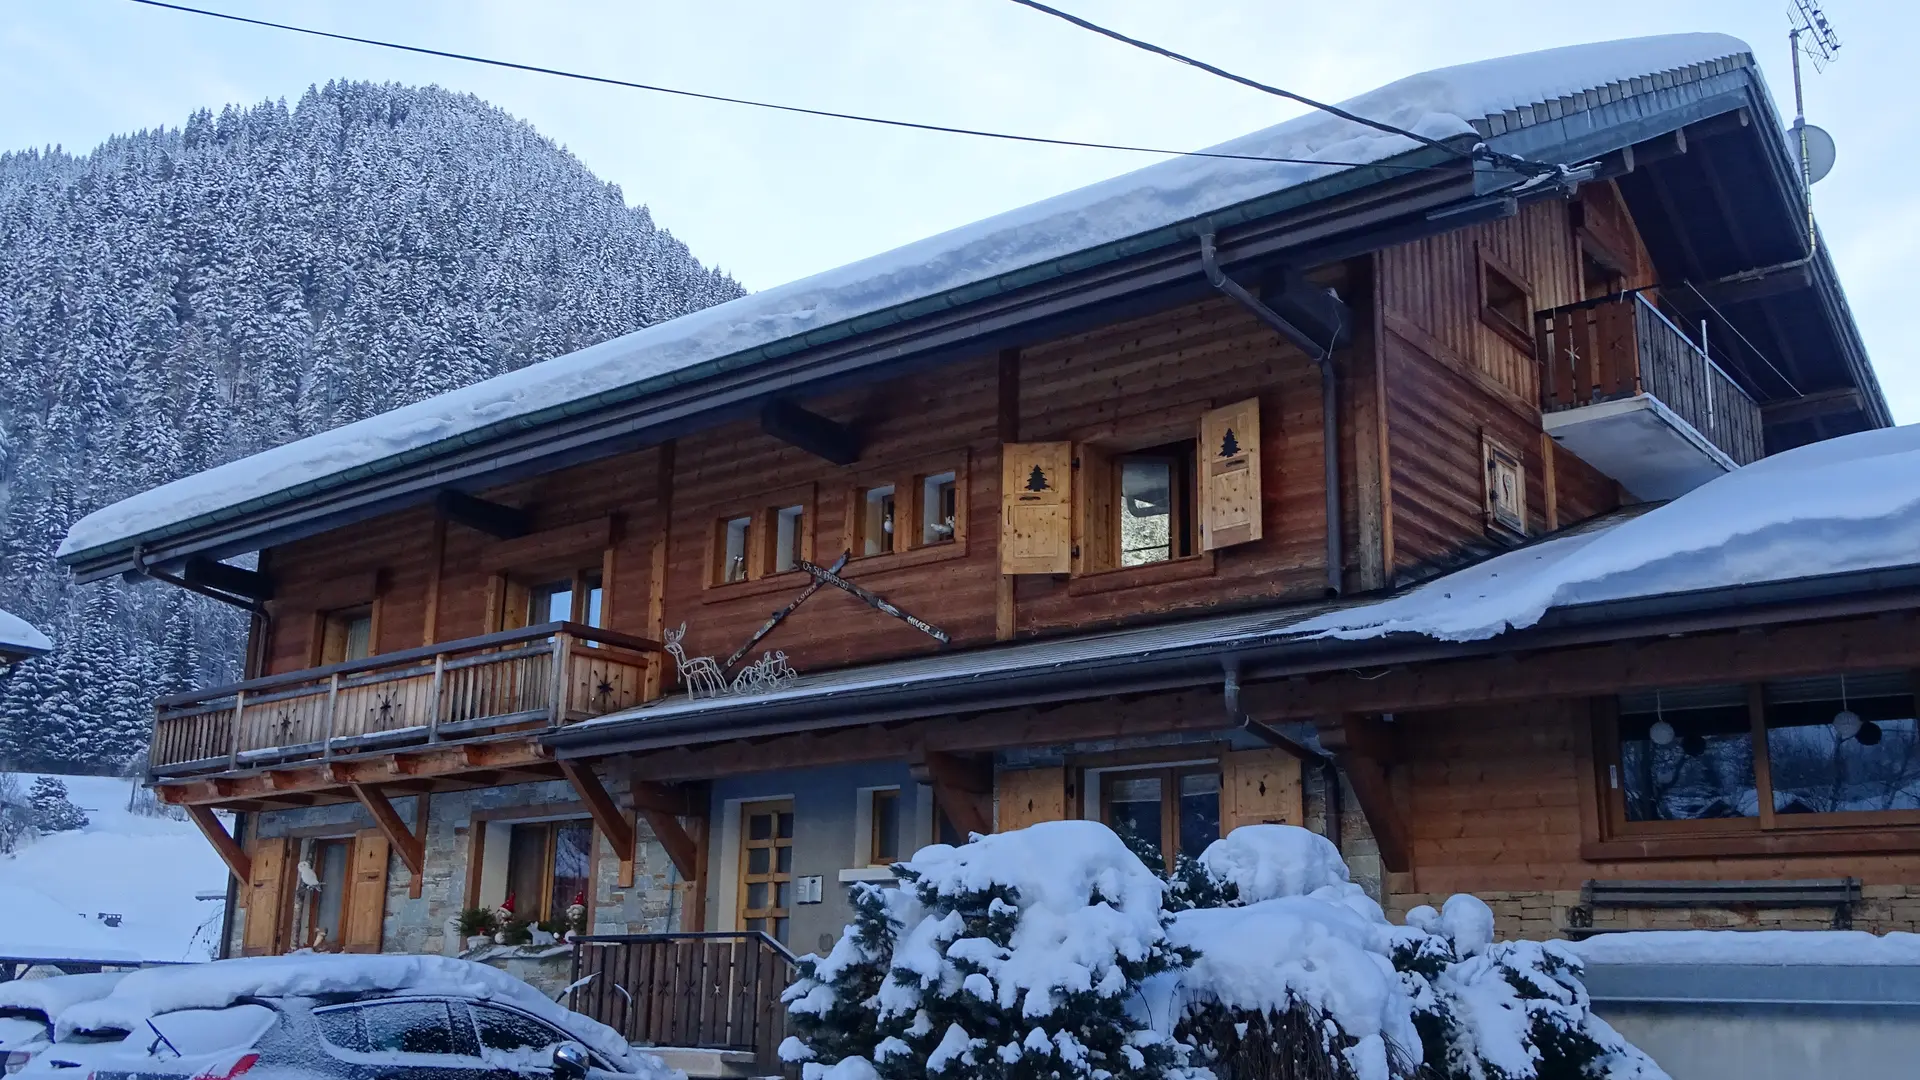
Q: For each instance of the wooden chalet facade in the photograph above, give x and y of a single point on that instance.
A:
(1106, 488)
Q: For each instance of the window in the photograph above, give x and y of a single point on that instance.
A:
(1173, 811)
(407, 1027)
(576, 599)
(506, 1031)
(347, 635)
(766, 867)
(736, 543)
(1788, 754)
(1505, 490)
(789, 538)
(326, 905)
(883, 842)
(1506, 303)
(549, 864)
(939, 508)
(1155, 505)
(875, 522)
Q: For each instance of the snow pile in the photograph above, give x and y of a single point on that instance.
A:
(1437, 104)
(1263, 862)
(51, 997)
(18, 635)
(1847, 504)
(154, 991)
(37, 927)
(1855, 948)
(148, 870)
(1519, 1010)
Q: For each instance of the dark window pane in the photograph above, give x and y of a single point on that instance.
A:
(783, 895)
(341, 1029)
(757, 896)
(503, 1030)
(572, 857)
(756, 924)
(1823, 765)
(1199, 811)
(780, 931)
(408, 1027)
(757, 860)
(1689, 764)
(886, 827)
(330, 861)
(783, 860)
(527, 868)
(1133, 808)
(759, 826)
(786, 826)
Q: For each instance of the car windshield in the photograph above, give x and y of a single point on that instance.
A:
(197, 1032)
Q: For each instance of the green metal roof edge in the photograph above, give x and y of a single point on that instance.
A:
(1344, 181)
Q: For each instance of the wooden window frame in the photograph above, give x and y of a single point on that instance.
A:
(516, 566)
(1169, 776)
(906, 479)
(549, 909)
(764, 512)
(478, 821)
(1612, 837)
(875, 797)
(1520, 337)
(1101, 448)
(309, 914)
(1494, 453)
(340, 619)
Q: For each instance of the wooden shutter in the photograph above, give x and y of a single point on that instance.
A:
(1230, 475)
(266, 897)
(1036, 522)
(1026, 796)
(366, 914)
(1260, 787)
(1096, 511)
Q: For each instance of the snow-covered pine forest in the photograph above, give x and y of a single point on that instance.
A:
(183, 297)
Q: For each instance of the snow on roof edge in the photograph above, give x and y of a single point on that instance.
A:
(1438, 104)
(17, 635)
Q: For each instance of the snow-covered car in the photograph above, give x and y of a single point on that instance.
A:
(28, 1006)
(347, 1017)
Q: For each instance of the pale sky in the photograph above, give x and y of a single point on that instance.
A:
(772, 197)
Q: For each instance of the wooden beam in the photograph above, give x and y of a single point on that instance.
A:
(518, 756)
(962, 788)
(233, 580)
(405, 842)
(1356, 743)
(607, 817)
(1760, 285)
(663, 807)
(1812, 406)
(1006, 615)
(237, 860)
(494, 519)
(817, 435)
(1816, 648)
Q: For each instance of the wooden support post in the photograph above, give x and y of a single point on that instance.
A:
(663, 807)
(962, 788)
(1363, 747)
(223, 842)
(562, 644)
(657, 568)
(1005, 614)
(436, 558)
(433, 697)
(607, 817)
(333, 700)
(410, 847)
(239, 714)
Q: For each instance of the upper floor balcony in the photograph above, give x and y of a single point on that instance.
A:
(458, 691)
(1629, 392)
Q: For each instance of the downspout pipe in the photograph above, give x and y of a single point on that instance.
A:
(1322, 356)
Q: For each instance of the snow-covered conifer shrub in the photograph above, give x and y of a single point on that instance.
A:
(50, 809)
(833, 1005)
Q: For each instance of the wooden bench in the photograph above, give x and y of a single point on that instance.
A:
(1840, 894)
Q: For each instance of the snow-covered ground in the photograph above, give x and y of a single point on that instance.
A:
(147, 870)
(1833, 507)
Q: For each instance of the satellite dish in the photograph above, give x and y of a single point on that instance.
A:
(1820, 150)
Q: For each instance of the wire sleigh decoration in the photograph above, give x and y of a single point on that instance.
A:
(702, 676)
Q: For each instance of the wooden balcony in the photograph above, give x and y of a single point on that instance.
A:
(516, 681)
(712, 991)
(1630, 393)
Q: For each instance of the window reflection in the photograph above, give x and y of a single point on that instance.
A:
(1687, 756)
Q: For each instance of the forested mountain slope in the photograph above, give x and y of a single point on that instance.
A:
(180, 298)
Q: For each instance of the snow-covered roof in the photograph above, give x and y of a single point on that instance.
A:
(1844, 505)
(965, 264)
(19, 638)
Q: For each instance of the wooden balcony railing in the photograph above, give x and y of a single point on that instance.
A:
(539, 676)
(1599, 350)
(717, 991)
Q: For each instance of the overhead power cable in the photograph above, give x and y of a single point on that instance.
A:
(776, 106)
(1517, 164)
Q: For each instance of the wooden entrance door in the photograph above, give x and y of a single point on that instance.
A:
(766, 867)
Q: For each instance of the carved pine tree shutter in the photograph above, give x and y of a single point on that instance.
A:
(1260, 787)
(1026, 796)
(366, 914)
(1230, 475)
(1036, 520)
(266, 897)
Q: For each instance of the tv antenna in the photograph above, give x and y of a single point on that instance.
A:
(1813, 35)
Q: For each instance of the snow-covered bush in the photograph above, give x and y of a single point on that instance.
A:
(833, 1005)
(50, 808)
(16, 817)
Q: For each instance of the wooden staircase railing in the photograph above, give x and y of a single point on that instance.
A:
(714, 990)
